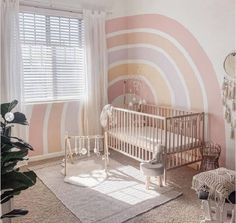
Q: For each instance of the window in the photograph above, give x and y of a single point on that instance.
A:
(53, 56)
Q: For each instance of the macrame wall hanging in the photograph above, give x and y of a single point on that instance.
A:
(229, 92)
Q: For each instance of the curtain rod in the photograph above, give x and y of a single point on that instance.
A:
(51, 7)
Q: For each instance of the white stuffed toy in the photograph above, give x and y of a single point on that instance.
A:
(105, 114)
(158, 155)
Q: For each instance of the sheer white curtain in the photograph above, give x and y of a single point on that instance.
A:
(96, 70)
(11, 64)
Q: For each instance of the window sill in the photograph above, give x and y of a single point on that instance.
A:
(52, 101)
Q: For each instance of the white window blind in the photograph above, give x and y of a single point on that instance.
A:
(53, 57)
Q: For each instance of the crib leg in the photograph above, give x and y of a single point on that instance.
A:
(165, 177)
(147, 182)
(106, 153)
(233, 215)
(70, 151)
(65, 159)
(159, 180)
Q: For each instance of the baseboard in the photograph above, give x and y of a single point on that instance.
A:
(46, 156)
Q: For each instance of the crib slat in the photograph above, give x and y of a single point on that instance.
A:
(175, 135)
(156, 131)
(132, 134)
(124, 120)
(170, 135)
(129, 132)
(153, 138)
(145, 138)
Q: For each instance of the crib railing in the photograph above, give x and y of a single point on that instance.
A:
(136, 133)
(125, 125)
(163, 111)
(185, 139)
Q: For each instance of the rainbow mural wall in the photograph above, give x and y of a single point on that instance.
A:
(174, 68)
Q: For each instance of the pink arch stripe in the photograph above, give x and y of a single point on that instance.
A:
(36, 129)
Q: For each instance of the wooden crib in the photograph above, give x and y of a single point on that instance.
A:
(136, 132)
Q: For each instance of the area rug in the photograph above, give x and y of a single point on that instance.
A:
(94, 196)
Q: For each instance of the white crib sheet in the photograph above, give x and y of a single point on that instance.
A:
(149, 137)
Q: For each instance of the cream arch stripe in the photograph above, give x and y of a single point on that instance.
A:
(45, 127)
(158, 58)
(28, 113)
(72, 123)
(64, 120)
(192, 83)
(153, 76)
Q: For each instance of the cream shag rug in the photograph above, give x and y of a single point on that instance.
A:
(93, 196)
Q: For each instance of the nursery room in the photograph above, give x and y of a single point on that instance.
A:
(118, 111)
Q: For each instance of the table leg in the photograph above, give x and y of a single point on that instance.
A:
(147, 182)
(159, 180)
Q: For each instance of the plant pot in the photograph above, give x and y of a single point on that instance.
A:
(5, 208)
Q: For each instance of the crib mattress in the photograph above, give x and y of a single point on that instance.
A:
(149, 137)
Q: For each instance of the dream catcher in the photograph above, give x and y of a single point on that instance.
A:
(229, 91)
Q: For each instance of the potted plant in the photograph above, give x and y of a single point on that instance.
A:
(13, 150)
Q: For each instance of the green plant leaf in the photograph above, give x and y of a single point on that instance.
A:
(15, 180)
(22, 145)
(19, 118)
(12, 142)
(10, 166)
(7, 107)
(13, 150)
(14, 155)
(6, 144)
(7, 195)
(5, 139)
(15, 213)
(6, 199)
(13, 104)
(4, 109)
(7, 130)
